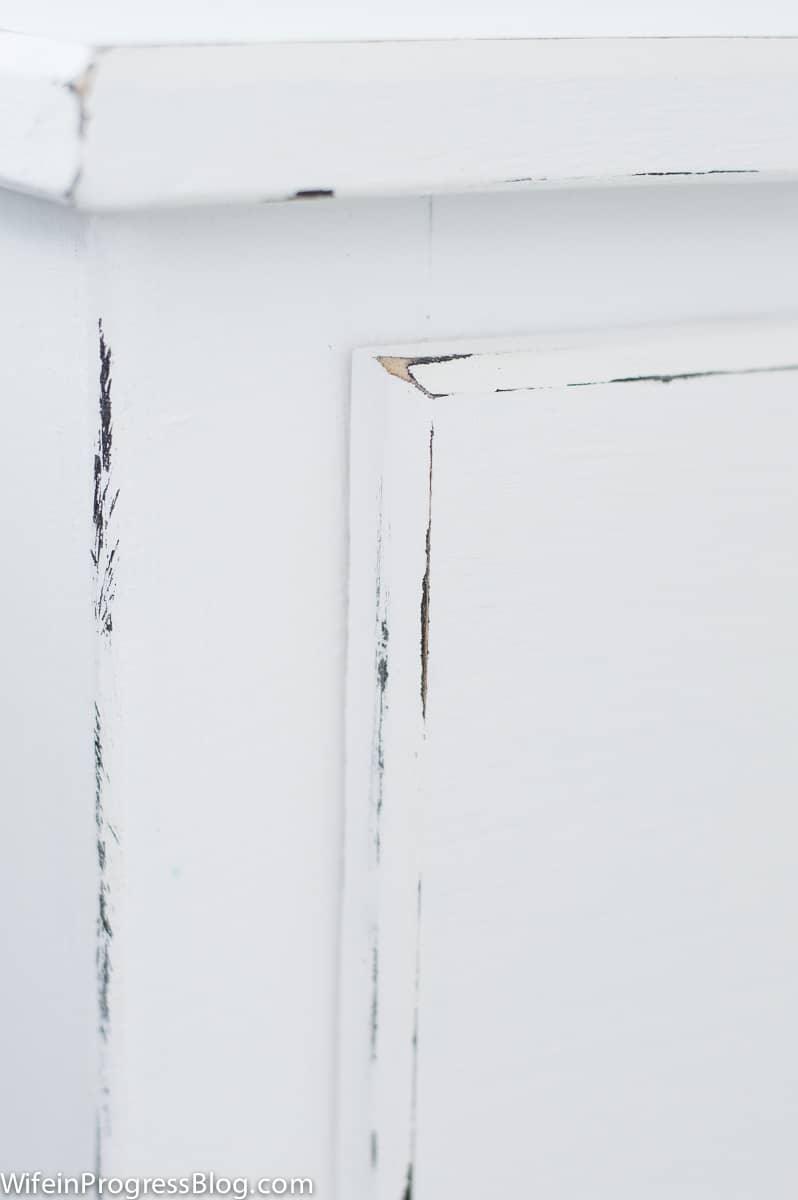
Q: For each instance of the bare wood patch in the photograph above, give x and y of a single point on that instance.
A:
(402, 368)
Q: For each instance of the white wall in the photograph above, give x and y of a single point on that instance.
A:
(282, 20)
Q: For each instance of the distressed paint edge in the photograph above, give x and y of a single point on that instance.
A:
(52, 93)
(404, 368)
(663, 354)
(381, 911)
(104, 561)
(426, 586)
(399, 368)
(366, 691)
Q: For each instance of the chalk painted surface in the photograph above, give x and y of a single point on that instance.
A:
(230, 433)
(571, 898)
(222, 710)
(113, 128)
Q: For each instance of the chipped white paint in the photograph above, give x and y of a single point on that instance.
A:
(584, 769)
(226, 722)
(128, 127)
(108, 765)
(231, 601)
(453, 368)
(231, 331)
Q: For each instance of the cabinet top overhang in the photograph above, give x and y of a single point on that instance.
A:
(113, 128)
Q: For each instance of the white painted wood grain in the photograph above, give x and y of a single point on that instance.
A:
(598, 801)
(210, 124)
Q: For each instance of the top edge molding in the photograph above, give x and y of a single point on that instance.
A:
(116, 128)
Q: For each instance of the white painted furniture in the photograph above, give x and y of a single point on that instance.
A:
(599, 623)
(571, 896)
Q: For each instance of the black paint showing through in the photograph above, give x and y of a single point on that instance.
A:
(425, 589)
